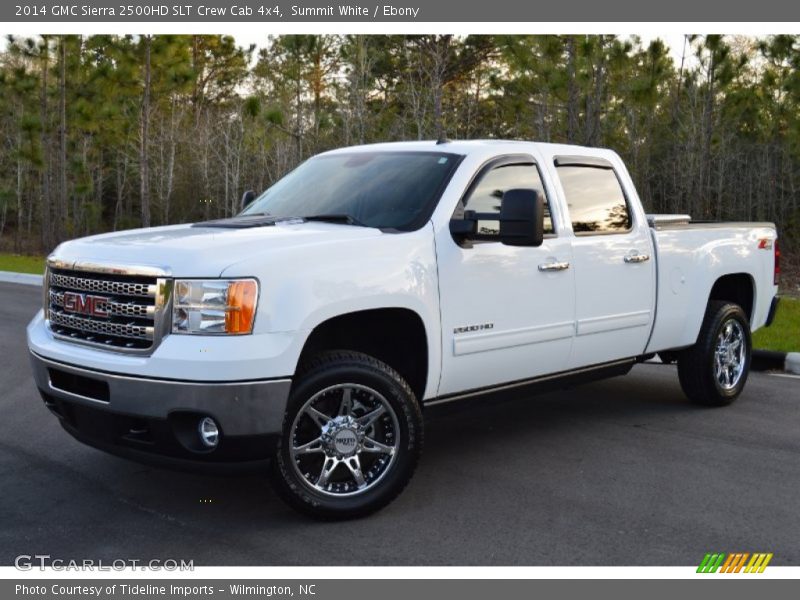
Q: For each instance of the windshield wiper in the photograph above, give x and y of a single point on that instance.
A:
(336, 218)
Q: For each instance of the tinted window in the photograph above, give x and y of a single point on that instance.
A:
(595, 200)
(487, 195)
(389, 190)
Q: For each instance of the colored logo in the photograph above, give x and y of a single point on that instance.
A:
(85, 304)
(739, 562)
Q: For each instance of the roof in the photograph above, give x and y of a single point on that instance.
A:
(467, 147)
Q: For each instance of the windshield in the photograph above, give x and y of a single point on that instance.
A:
(389, 190)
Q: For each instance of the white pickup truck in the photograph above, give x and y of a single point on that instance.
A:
(311, 330)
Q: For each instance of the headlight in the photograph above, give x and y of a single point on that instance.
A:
(214, 306)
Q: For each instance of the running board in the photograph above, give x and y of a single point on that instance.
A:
(549, 382)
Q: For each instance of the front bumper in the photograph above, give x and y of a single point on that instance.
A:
(156, 420)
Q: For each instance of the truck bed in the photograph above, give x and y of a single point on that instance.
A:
(691, 256)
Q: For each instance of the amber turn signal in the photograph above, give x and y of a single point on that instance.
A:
(241, 309)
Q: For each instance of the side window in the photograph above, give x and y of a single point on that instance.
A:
(486, 196)
(595, 200)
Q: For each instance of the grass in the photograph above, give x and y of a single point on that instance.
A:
(22, 264)
(784, 333)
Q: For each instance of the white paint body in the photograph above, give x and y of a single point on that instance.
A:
(600, 309)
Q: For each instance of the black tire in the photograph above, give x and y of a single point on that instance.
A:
(697, 365)
(328, 374)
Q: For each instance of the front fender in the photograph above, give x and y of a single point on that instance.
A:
(301, 289)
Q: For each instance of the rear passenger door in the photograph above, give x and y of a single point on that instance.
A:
(613, 262)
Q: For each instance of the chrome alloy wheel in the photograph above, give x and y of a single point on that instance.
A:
(729, 355)
(344, 439)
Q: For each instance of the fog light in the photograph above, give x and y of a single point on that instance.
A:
(209, 432)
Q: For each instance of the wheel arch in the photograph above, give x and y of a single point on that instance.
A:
(738, 288)
(396, 336)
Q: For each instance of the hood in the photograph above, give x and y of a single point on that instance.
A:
(205, 251)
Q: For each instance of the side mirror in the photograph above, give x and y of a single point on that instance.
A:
(522, 218)
(247, 198)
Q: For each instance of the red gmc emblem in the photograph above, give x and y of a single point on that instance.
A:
(84, 304)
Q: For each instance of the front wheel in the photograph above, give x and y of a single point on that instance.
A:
(714, 371)
(351, 437)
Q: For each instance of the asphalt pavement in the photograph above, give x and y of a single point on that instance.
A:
(621, 472)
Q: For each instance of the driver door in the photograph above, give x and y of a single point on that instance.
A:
(507, 311)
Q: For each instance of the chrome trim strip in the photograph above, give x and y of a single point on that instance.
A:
(92, 327)
(714, 225)
(654, 220)
(106, 347)
(109, 268)
(46, 292)
(119, 309)
(91, 285)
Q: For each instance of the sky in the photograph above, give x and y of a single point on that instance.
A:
(673, 40)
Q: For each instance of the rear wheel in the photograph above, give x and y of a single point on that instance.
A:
(351, 438)
(714, 371)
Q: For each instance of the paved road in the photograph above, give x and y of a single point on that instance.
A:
(622, 472)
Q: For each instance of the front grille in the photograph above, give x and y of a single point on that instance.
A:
(90, 327)
(120, 312)
(132, 308)
(104, 286)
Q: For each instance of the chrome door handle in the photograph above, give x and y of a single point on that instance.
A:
(636, 258)
(554, 266)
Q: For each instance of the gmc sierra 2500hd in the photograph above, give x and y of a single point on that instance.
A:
(370, 282)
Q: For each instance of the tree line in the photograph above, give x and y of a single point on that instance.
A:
(105, 132)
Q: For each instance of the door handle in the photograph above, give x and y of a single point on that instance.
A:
(554, 266)
(636, 258)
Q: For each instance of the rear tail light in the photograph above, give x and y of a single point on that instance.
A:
(777, 271)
